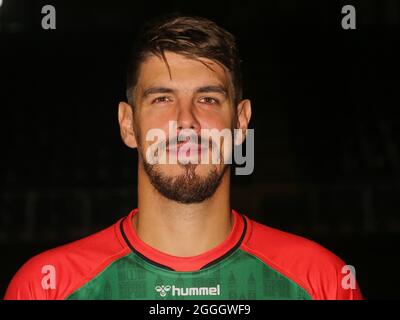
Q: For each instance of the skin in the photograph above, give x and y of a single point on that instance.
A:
(174, 228)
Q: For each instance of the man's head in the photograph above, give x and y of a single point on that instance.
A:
(187, 70)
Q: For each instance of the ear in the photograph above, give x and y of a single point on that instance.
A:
(243, 116)
(126, 124)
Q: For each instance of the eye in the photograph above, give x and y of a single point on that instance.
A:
(162, 99)
(209, 100)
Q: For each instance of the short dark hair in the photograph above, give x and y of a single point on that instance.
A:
(193, 37)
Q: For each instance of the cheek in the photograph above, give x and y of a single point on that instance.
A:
(217, 121)
(159, 129)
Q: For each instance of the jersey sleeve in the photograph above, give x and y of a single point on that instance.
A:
(322, 274)
(56, 273)
(336, 280)
(22, 287)
(327, 276)
(27, 282)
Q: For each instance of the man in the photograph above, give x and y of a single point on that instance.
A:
(184, 240)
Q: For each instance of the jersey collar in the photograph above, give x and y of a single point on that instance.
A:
(175, 263)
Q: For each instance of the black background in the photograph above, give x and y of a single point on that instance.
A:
(327, 128)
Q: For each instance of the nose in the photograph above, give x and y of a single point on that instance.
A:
(187, 119)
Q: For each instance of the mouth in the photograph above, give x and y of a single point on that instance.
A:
(189, 147)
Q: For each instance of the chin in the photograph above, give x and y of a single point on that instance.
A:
(177, 169)
(205, 169)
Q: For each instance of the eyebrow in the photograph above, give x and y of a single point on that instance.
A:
(205, 89)
(217, 89)
(155, 90)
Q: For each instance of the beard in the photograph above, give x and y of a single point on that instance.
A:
(186, 188)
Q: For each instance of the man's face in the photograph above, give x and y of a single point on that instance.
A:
(196, 97)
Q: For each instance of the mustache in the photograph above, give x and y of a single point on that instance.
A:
(196, 139)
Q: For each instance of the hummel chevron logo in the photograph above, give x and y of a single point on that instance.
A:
(163, 290)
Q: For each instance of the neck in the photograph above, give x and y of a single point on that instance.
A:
(182, 229)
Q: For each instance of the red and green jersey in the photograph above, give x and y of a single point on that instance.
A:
(254, 262)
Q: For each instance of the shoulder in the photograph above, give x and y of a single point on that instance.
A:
(55, 273)
(319, 271)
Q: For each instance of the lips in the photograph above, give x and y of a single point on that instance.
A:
(190, 147)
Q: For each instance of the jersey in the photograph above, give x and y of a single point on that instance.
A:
(254, 262)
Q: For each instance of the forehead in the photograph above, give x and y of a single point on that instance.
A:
(183, 72)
